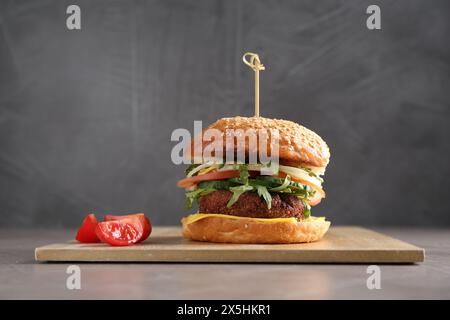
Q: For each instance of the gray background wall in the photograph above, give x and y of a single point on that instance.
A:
(86, 116)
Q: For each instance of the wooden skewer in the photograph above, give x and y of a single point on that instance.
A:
(257, 66)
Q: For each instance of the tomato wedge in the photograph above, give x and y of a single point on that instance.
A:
(123, 232)
(320, 194)
(146, 224)
(86, 232)
(218, 175)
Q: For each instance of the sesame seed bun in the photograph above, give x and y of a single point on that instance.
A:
(298, 146)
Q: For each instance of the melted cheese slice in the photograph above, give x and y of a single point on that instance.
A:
(198, 216)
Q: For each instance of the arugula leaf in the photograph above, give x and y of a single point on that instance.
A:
(218, 184)
(258, 182)
(237, 191)
(295, 187)
(307, 210)
(243, 173)
(286, 183)
(194, 195)
(262, 192)
(287, 190)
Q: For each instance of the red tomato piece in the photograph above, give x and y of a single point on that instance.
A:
(122, 232)
(146, 224)
(86, 232)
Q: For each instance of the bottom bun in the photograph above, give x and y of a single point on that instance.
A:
(217, 229)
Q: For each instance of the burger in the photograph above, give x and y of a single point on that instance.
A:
(243, 201)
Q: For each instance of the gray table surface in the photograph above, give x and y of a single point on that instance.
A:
(22, 278)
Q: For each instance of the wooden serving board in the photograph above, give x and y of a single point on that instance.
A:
(340, 245)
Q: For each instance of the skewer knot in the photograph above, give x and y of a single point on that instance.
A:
(253, 61)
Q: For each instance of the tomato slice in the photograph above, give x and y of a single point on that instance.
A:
(86, 232)
(123, 232)
(218, 175)
(146, 224)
